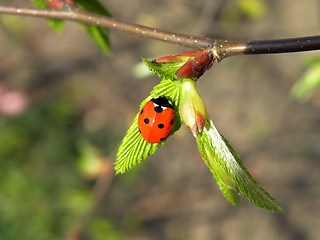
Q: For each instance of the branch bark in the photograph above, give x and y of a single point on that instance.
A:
(221, 48)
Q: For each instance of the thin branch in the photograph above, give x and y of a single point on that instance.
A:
(226, 48)
(77, 15)
(221, 48)
(283, 45)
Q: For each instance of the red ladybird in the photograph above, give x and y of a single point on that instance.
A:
(156, 120)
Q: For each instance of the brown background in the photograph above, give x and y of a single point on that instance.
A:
(247, 97)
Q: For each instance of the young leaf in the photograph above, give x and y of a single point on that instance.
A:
(231, 195)
(164, 70)
(100, 36)
(192, 109)
(230, 172)
(134, 148)
(93, 6)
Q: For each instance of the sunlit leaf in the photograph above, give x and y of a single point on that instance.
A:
(230, 172)
(134, 148)
(165, 70)
(93, 6)
(99, 36)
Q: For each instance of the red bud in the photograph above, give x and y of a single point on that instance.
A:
(59, 3)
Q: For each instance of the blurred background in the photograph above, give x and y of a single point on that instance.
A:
(65, 106)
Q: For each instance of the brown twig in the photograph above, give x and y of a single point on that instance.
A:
(77, 15)
(221, 48)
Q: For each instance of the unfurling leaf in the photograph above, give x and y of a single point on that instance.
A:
(192, 108)
(134, 148)
(230, 172)
(99, 35)
(164, 70)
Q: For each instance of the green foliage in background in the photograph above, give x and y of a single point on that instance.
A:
(255, 9)
(42, 193)
(309, 83)
(233, 12)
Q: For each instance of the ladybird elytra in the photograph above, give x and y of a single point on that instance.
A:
(156, 120)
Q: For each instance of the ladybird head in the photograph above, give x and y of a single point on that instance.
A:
(161, 101)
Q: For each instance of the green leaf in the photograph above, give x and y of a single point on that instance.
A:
(100, 36)
(308, 84)
(227, 168)
(134, 148)
(231, 195)
(93, 6)
(164, 70)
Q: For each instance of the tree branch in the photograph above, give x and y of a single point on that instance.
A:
(78, 15)
(221, 48)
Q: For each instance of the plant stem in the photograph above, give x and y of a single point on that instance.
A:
(77, 15)
(283, 45)
(221, 48)
(226, 48)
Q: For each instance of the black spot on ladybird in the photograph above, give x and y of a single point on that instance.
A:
(158, 109)
(172, 121)
(160, 126)
(161, 139)
(141, 111)
(139, 130)
(146, 120)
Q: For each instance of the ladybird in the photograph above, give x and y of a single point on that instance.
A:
(156, 120)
